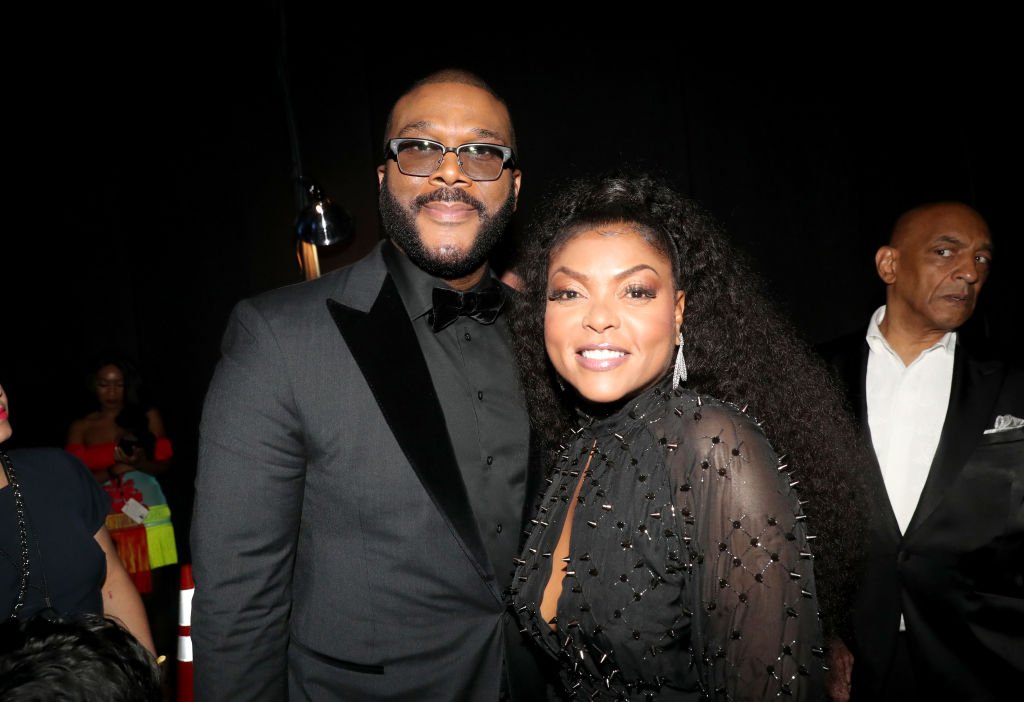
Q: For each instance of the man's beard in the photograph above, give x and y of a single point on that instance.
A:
(400, 227)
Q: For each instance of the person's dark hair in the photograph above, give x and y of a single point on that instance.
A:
(738, 348)
(133, 390)
(89, 658)
(132, 418)
(451, 75)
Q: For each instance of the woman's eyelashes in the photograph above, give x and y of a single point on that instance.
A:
(641, 291)
(563, 294)
(630, 291)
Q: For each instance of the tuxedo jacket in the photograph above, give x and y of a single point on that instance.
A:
(957, 574)
(336, 556)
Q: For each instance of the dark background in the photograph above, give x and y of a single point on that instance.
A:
(151, 169)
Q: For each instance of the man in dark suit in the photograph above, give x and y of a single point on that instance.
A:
(939, 610)
(364, 447)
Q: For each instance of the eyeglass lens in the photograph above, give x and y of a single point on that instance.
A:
(478, 161)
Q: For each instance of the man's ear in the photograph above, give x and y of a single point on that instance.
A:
(380, 176)
(517, 176)
(886, 259)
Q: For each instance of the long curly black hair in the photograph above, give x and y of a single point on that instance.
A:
(739, 347)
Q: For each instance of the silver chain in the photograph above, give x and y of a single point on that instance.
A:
(19, 509)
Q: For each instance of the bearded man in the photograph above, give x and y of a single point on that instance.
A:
(364, 447)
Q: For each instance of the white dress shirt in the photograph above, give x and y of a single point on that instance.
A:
(906, 410)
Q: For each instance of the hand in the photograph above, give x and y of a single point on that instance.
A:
(840, 670)
(124, 463)
(136, 457)
(119, 468)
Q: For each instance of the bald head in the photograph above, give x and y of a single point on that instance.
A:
(451, 75)
(933, 216)
(934, 267)
(455, 75)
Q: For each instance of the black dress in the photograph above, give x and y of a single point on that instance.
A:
(65, 508)
(689, 571)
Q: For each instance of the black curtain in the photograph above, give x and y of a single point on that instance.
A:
(153, 169)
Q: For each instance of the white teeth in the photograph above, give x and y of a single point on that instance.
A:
(602, 354)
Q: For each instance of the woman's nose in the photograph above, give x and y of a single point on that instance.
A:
(600, 316)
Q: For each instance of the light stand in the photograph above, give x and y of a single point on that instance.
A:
(320, 221)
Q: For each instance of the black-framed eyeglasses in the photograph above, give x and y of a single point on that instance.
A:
(421, 157)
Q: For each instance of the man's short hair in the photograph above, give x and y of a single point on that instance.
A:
(88, 658)
(905, 218)
(451, 75)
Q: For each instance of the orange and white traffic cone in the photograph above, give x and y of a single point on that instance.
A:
(184, 665)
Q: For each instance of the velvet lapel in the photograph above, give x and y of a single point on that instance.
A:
(384, 345)
(972, 397)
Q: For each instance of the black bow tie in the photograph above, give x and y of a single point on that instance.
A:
(481, 305)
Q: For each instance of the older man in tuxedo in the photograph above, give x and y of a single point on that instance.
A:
(364, 447)
(940, 600)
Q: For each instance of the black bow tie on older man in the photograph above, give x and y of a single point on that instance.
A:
(482, 305)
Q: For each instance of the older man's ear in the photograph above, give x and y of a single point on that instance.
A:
(885, 264)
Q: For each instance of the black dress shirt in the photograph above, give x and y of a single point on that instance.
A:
(474, 374)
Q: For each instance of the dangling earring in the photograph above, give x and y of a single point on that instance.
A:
(679, 372)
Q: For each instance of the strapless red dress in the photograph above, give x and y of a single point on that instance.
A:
(141, 546)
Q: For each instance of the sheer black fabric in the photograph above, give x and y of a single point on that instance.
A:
(689, 573)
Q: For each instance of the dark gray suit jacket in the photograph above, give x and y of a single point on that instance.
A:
(957, 574)
(335, 551)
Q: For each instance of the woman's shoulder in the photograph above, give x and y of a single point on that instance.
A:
(691, 412)
(716, 428)
(722, 437)
(66, 483)
(85, 423)
(53, 461)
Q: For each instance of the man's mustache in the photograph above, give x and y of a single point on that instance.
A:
(449, 195)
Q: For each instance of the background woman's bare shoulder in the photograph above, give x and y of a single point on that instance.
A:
(85, 429)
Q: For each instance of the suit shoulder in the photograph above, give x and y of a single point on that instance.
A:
(295, 292)
(359, 281)
(988, 365)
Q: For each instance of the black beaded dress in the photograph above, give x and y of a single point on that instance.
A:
(689, 571)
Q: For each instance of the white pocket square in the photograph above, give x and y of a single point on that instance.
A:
(1005, 422)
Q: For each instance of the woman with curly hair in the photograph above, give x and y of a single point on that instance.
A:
(688, 495)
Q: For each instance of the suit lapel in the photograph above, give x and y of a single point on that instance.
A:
(972, 397)
(384, 345)
(885, 516)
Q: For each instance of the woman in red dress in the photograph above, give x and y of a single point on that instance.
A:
(125, 446)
